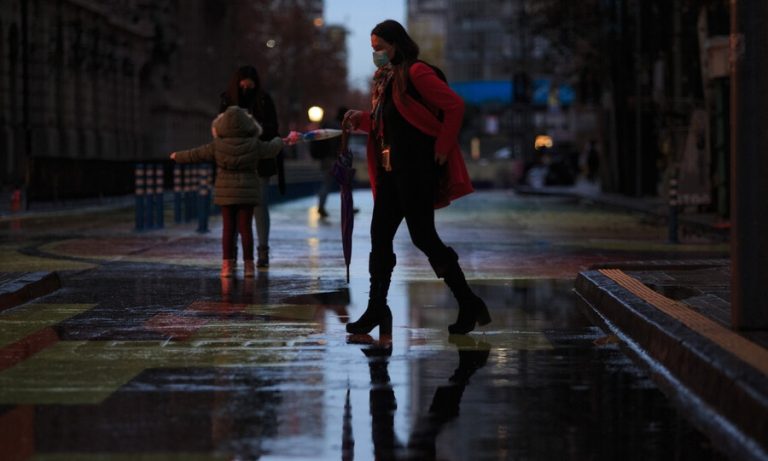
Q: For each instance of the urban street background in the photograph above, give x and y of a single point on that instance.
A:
(616, 232)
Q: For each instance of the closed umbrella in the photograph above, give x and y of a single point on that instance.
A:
(345, 174)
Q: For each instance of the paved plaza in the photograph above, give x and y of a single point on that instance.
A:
(136, 349)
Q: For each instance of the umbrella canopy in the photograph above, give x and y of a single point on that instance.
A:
(320, 134)
(345, 174)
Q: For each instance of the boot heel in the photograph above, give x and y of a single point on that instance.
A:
(372, 317)
(471, 313)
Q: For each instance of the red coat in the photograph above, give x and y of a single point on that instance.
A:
(437, 94)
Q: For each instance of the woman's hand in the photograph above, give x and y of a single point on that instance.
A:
(351, 120)
(173, 156)
(292, 138)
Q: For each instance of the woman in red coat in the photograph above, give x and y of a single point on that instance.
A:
(415, 166)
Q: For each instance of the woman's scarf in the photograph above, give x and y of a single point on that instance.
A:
(381, 79)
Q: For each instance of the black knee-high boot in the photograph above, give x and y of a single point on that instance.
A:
(472, 309)
(377, 313)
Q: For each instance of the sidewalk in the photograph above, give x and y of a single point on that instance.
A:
(674, 318)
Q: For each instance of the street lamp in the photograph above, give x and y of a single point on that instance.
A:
(542, 142)
(315, 114)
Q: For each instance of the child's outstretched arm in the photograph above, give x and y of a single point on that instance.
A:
(270, 149)
(195, 155)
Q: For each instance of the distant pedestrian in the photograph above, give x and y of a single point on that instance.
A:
(326, 151)
(415, 166)
(590, 161)
(236, 150)
(244, 90)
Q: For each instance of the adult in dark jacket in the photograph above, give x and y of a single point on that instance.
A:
(244, 90)
(236, 150)
(415, 166)
(326, 151)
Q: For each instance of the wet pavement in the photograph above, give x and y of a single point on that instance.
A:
(145, 353)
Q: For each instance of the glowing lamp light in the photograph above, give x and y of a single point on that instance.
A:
(542, 142)
(315, 114)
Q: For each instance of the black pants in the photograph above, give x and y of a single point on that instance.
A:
(406, 195)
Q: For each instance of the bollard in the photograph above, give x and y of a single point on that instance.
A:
(673, 208)
(159, 199)
(188, 193)
(177, 193)
(195, 188)
(204, 199)
(139, 194)
(149, 197)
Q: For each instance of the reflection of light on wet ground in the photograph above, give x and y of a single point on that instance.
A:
(313, 218)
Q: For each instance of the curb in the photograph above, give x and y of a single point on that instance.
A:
(19, 288)
(726, 398)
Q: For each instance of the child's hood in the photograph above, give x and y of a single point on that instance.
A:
(235, 122)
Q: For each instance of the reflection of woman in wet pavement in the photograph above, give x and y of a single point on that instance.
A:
(473, 355)
(415, 166)
(382, 404)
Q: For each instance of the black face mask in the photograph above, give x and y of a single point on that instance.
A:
(247, 98)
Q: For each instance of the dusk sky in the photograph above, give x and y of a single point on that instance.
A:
(359, 16)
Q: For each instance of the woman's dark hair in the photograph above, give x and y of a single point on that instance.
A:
(233, 93)
(394, 33)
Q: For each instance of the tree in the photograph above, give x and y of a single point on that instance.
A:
(639, 61)
(301, 63)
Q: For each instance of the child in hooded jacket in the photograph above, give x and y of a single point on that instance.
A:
(236, 150)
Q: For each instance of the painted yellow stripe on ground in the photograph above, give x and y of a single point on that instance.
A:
(87, 372)
(66, 373)
(13, 261)
(744, 349)
(21, 322)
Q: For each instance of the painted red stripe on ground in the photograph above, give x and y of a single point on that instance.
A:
(26, 347)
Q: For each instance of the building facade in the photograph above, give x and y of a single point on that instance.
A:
(90, 87)
(69, 86)
(495, 60)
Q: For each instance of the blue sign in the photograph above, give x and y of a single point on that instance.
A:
(500, 91)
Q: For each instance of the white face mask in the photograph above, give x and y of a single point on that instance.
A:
(380, 58)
